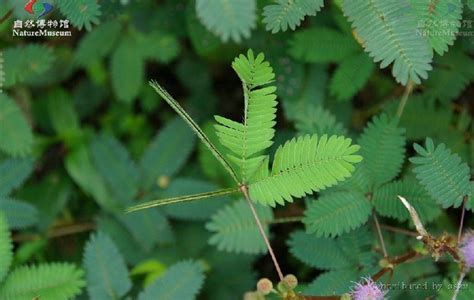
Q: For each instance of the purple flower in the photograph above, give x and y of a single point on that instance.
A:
(368, 290)
(467, 249)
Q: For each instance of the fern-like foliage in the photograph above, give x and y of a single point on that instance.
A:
(388, 31)
(6, 253)
(53, 281)
(351, 76)
(19, 214)
(337, 212)
(228, 19)
(321, 45)
(332, 283)
(106, 272)
(386, 202)
(319, 121)
(383, 148)
(16, 135)
(289, 13)
(13, 172)
(246, 140)
(442, 173)
(234, 228)
(302, 166)
(81, 13)
(181, 281)
(439, 21)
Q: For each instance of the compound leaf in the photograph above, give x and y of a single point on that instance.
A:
(81, 13)
(289, 13)
(16, 135)
(6, 247)
(302, 166)
(234, 228)
(13, 172)
(20, 214)
(106, 272)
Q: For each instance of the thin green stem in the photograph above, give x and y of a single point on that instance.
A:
(244, 191)
(458, 286)
(404, 100)
(187, 198)
(461, 223)
(197, 130)
(379, 233)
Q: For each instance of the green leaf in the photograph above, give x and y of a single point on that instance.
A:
(181, 281)
(203, 41)
(91, 47)
(62, 114)
(302, 166)
(6, 247)
(332, 283)
(321, 253)
(228, 19)
(198, 210)
(383, 149)
(159, 46)
(52, 281)
(106, 272)
(248, 139)
(387, 203)
(167, 152)
(442, 173)
(439, 21)
(17, 137)
(127, 70)
(321, 45)
(351, 76)
(317, 120)
(26, 63)
(234, 228)
(81, 13)
(19, 214)
(79, 165)
(113, 162)
(335, 213)
(13, 172)
(289, 13)
(388, 32)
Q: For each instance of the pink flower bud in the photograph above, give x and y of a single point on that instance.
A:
(367, 291)
(467, 249)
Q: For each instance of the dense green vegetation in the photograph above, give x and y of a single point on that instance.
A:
(149, 154)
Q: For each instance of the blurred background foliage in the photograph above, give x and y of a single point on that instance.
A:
(82, 136)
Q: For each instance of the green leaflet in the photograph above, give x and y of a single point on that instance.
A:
(6, 246)
(335, 213)
(106, 272)
(302, 166)
(388, 32)
(317, 120)
(16, 135)
(442, 173)
(228, 19)
(52, 281)
(203, 41)
(321, 45)
(126, 68)
(383, 149)
(181, 281)
(19, 214)
(91, 48)
(351, 76)
(288, 13)
(387, 204)
(81, 13)
(13, 172)
(234, 228)
(439, 21)
(114, 163)
(167, 152)
(246, 140)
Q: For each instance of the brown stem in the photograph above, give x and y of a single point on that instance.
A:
(394, 262)
(244, 190)
(461, 223)
(379, 233)
(6, 16)
(399, 230)
(404, 100)
(56, 232)
(287, 220)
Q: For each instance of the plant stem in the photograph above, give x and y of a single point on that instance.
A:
(244, 190)
(379, 233)
(403, 101)
(461, 223)
(56, 232)
(458, 286)
(399, 230)
(287, 220)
